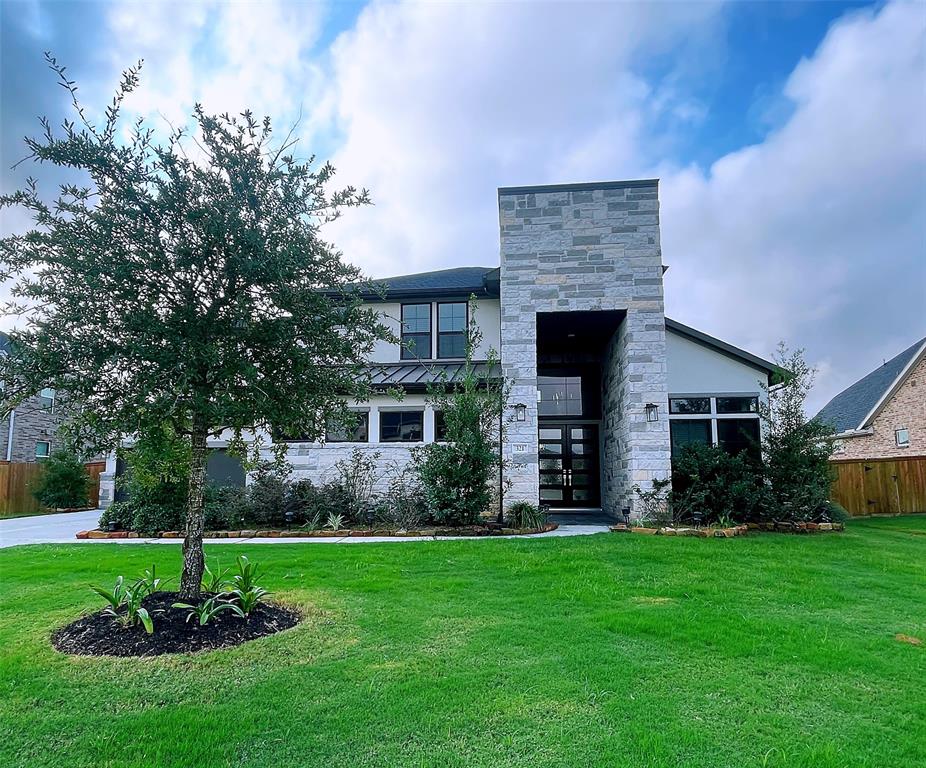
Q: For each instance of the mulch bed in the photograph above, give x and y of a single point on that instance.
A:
(99, 635)
(302, 533)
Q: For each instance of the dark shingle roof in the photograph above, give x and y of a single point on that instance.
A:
(847, 410)
(460, 281)
(4, 343)
(414, 376)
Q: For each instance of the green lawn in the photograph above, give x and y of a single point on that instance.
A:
(612, 650)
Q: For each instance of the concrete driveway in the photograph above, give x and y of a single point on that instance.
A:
(61, 529)
(46, 529)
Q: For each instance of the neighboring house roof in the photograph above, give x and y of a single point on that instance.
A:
(413, 376)
(855, 407)
(4, 343)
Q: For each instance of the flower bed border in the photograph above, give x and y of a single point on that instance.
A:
(474, 530)
(737, 530)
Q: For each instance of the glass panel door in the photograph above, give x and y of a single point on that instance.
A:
(582, 481)
(552, 464)
(569, 465)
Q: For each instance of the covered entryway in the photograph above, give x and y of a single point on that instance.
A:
(571, 349)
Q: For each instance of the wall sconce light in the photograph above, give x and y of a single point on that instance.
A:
(652, 412)
(520, 411)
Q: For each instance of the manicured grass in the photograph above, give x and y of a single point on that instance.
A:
(611, 650)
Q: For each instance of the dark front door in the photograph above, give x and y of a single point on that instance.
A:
(569, 465)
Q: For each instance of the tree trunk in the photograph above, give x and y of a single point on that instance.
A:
(193, 559)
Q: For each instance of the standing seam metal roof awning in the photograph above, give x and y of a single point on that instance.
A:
(419, 375)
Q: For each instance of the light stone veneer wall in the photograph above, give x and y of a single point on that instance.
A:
(587, 247)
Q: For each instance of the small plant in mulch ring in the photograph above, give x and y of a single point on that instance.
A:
(207, 610)
(125, 604)
(143, 620)
(214, 581)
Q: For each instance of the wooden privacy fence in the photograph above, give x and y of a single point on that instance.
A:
(16, 484)
(18, 480)
(880, 486)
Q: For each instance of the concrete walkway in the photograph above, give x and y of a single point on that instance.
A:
(61, 529)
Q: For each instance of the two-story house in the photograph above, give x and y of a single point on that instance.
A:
(603, 386)
(30, 429)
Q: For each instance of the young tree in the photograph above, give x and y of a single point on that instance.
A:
(186, 289)
(458, 475)
(796, 449)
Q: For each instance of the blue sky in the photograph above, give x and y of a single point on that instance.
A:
(790, 138)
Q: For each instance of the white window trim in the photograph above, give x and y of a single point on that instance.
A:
(897, 443)
(42, 442)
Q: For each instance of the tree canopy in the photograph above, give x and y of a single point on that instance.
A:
(186, 283)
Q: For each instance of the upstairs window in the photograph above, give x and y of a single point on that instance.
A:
(451, 329)
(902, 437)
(47, 399)
(42, 449)
(416, 331)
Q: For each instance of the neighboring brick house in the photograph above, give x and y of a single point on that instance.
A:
(883, 415)
(603, 386)
(29, 431)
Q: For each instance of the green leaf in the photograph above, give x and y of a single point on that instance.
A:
(145, 619)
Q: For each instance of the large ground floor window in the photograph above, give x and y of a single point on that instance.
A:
(728, 421)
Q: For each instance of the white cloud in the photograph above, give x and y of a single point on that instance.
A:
(226, 56)
(818, 234)
(439, 105)
(815, 235)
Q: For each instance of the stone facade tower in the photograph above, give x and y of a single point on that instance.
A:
(587, 255)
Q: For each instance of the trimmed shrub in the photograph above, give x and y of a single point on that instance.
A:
(266, 499)
(149, 518)
(120, 513)
(64, 483)
(710, 483)
(225, 507)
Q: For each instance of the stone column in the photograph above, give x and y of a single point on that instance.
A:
(587, 247)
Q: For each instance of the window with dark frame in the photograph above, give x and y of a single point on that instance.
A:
(560, 395)
(686, 405)
(440, 427)
(451, 329)
(685, 432)
(357, 432)
(416, 332)
(738, 435)
(737, 405)
(401, 426)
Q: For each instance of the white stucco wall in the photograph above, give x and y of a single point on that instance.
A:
(696, 369)
(487, 316)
